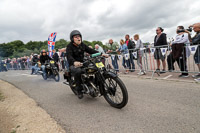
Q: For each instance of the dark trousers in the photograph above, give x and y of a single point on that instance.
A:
(132, 64)
(76, 72)
(126, 63)
(170, 62)
(181, 61)
(114, 63)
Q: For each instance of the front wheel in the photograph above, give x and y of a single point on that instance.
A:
(115, 92)
(56, 76)
(44, 75)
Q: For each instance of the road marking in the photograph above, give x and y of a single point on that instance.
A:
(167, 77)
(24, 74)
(32, 75)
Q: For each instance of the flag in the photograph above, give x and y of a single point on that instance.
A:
(152, 50)
(126, 56)
(119, 57)
(113, 57)
(163, 51)
(51, 43)
(135, 54)
(193, 49)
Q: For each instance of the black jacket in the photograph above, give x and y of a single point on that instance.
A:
(76, 53)
(55, 57)
(44, 58)
(130, 46)
(162, 40)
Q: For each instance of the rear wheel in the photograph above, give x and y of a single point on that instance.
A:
(115, 93)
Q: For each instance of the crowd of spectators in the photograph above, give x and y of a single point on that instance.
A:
(179, 53)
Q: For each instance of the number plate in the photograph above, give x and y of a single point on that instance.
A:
(52, 62)
(100, 65)
(4, 64)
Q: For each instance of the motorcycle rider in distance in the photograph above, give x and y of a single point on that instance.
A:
(55, 58)
(34, 62)
(44, 57)
(75, 55)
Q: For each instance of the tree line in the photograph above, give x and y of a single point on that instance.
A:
(18, 48)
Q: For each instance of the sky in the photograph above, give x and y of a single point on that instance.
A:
(96, 19)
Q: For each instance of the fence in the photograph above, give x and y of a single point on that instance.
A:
(182, 63)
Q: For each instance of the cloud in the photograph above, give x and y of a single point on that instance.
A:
(96, 19)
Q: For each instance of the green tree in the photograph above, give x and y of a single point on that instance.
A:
(17, 44)
(6, 50)
(61, 44)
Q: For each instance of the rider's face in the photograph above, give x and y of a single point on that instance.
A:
(77, 39)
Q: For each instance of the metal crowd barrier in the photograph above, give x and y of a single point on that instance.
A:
(149, 64)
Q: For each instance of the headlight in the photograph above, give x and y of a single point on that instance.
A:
(90, 70)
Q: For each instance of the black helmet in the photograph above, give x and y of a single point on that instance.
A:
(73, 33)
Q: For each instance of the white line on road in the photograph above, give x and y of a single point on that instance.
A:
(32, 75)
(167, 77)
(25, 74)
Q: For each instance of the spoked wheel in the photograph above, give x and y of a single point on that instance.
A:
(116, 94)
(56, 76)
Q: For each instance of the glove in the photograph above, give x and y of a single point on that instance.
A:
(77, 64)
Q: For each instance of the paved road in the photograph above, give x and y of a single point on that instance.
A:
(154, 106)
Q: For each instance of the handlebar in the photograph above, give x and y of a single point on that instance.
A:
(95, 55)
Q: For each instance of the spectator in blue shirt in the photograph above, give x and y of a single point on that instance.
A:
(125, 53)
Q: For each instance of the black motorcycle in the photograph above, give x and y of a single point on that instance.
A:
(51, 71)
(98, 81)
(3, 67)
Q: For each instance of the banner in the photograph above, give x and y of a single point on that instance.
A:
(152, 50)
(119, 57)
(51, 43)
(163, 51)
(126, 56)
(193, 49)
(135, 54)
(113, 57)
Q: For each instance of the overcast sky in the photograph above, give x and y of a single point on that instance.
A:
(96, 19)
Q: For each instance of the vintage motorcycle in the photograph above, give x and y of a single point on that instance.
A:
(98, 81)
(51, 71)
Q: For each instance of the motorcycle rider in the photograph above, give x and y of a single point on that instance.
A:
(34, 62)
(75, 54)
(55, 58)
(3, 66)
(44, 57)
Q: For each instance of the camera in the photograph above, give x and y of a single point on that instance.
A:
(180, 30)
(183, 30)
(189, 29)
